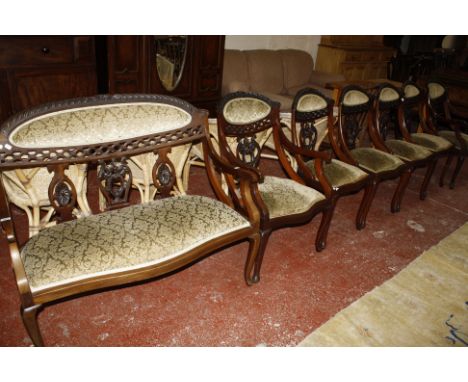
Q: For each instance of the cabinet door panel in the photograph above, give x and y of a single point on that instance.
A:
(29, 88)
(210, 63)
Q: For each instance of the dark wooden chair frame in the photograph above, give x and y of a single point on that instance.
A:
(440, 111)
(383, 113)
(302, 147)
(339, 138)
(57, 160)
(267, 224)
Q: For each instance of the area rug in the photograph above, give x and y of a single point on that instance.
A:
(426, 304)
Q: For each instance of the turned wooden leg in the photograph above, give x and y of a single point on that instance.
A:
(460, 160)
(427, 178)
(29, 316)
(400, 190)
(254, 247)
(321, 239)
(366, 202)
(447, 164)
(262, 244)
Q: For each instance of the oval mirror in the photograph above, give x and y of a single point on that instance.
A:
(170, 59)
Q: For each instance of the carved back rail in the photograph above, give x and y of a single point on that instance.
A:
(105, 130)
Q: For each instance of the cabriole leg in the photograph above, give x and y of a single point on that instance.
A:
(29, 316)
(458, 167)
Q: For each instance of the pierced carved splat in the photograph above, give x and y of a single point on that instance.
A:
(352, 129)
(248, 151)
(308, 135)
(115, 180)
(62, 193)
(164, 173)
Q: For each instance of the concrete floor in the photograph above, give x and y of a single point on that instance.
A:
(208, 304)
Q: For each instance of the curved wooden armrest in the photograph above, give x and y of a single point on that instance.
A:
(239, 170)
(296, 150)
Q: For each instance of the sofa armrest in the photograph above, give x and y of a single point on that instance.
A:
(322, 78)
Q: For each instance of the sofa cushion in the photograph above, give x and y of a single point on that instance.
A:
(265, 70)
(326, 92)
(235, 70)
(125, 239)
(297, 66)
(285, 197)
(339, 173)
(407, 151)
(374, 160)
(284, 100)
(431, 142)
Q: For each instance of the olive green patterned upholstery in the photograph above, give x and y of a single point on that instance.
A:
(240, 111)
(125, 239)
(97, 124)
(431, 142)
(450, 136)
(285, 197)
(374, 160)
(407, 151)
(339, 173)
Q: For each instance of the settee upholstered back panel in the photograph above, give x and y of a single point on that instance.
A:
(95, 124)
(265, 70)
(298, 66)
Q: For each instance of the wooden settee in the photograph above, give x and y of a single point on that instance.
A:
(126, 242)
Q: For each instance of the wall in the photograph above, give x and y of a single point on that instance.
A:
(306, 43)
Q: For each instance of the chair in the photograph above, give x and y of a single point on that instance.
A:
(388, 105)
(310, 106)
(439, 118)
(349, 140)
(243, 120)
(413, 123)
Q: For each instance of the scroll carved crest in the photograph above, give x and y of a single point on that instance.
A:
(248, 150)
(115, 180)
(62, 193)
(308, 135)
(164, 173)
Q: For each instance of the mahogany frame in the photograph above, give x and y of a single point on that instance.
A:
(299, 151)
(268, 224)
(439, 111)
(14, 157)
(397, 107)
(338, 140)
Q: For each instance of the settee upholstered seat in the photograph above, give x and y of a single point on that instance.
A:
(285, 197)
(407, 151)
(450, 136)
(124, 239)
(375, 161)
(339, 173)
(431, 142)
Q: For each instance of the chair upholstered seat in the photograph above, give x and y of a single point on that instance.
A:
(339, 173)
(407, 151)
(125, 239)
(431, 142)
(285, 197)
(452, 138)
(376, 161)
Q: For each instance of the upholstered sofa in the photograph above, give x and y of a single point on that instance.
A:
(277, 74)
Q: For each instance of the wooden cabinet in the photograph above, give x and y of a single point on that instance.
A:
(132, 68)
(356, 57)
(38, 69)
